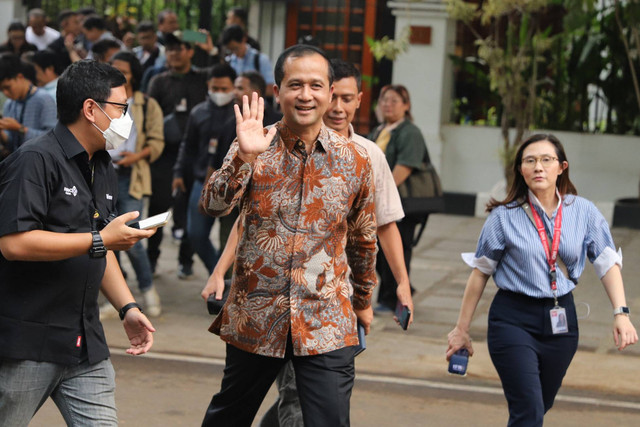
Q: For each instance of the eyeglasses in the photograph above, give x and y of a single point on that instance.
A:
(545, 161)
(123, 107)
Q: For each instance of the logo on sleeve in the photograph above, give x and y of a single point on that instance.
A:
(109, 196)
(73, 191)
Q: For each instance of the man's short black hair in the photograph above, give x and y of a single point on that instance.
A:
(94, 21)
(47, 58)
(16, 26)
(172, 39)
(219, 71)
(82, 80)
(343, 70)
(134, 64)
(11, 65)
(65, 14)
(297, 51)
(100, 48)
(240, 13)
(145, 27)
(233, 33)
(256, 81)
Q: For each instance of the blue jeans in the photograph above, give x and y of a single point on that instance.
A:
(84, 394)
(199, 228)
(137, 254)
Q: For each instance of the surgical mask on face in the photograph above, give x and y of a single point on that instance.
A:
(221, 98)
(117, 132)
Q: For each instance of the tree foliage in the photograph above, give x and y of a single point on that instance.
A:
(514, 52)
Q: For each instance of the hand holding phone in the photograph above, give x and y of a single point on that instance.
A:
(159, 220)
(403, 314)
(458, 362)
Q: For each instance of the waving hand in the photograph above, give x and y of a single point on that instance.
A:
(251, 138)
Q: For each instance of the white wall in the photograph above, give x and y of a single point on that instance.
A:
(11, 9)
(271, 18)
(602, 167)
(426, 70)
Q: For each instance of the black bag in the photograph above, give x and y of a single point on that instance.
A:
(421, 192)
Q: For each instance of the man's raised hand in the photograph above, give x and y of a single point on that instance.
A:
(251, 138)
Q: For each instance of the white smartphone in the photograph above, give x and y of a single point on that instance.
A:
(159, 220)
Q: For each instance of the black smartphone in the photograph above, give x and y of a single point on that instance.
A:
(458, 362)
(215, 305)
(362, 345)
(403, 314)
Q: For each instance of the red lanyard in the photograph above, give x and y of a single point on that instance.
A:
(542, 232)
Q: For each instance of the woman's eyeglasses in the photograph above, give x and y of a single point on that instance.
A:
(545, 161)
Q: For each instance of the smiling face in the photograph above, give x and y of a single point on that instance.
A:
(344, 103)
(304, 92)
(541, 177)
(393, 107)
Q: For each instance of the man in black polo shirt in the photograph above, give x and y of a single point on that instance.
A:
(58, 230)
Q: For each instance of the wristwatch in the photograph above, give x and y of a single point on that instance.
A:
(98, 249)
(621, 310)
(128, 307)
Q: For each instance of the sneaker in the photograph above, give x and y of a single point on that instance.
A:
(152, 302)
(185, 271)
(107, 311)
(177, 235)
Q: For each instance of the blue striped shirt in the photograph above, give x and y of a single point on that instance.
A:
(38, 113)
(510, 248)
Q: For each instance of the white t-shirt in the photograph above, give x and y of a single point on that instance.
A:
(50, 35)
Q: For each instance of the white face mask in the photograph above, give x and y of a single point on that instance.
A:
(221, 98)
(117, 132)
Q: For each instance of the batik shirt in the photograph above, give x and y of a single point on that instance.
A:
(307, 218)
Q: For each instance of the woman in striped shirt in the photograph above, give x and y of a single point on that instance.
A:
(535, 244)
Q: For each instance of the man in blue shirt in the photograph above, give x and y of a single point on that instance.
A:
(29, 112)
(245, 58)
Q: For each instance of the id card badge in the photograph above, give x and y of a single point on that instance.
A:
(213, 145)
(559, 323)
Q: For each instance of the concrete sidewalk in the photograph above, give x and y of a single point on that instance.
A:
(439, 276)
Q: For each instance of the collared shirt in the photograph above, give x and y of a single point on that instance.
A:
(49, 309)
(178, 91)
(510, 247)
(201, 139)
(388, 203)
(248, 63)
(37, 112)
(51, 88)
(307, 218)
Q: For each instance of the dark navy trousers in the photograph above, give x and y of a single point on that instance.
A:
(531, 361)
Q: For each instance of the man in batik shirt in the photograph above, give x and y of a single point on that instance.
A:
(306, 197)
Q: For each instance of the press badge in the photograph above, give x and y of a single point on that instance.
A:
(559, 320)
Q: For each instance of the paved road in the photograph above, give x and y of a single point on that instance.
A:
(168, 392)
(160, 392)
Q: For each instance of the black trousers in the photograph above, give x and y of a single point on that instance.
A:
(324, 385)
(388, 285)
(531, 361)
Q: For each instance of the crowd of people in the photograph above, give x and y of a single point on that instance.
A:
(104, 119)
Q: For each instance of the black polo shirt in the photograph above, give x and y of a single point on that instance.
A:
(49, 310)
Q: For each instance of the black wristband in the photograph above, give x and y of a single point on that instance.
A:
(127, 307)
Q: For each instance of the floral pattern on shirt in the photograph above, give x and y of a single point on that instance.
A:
(307, 219)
